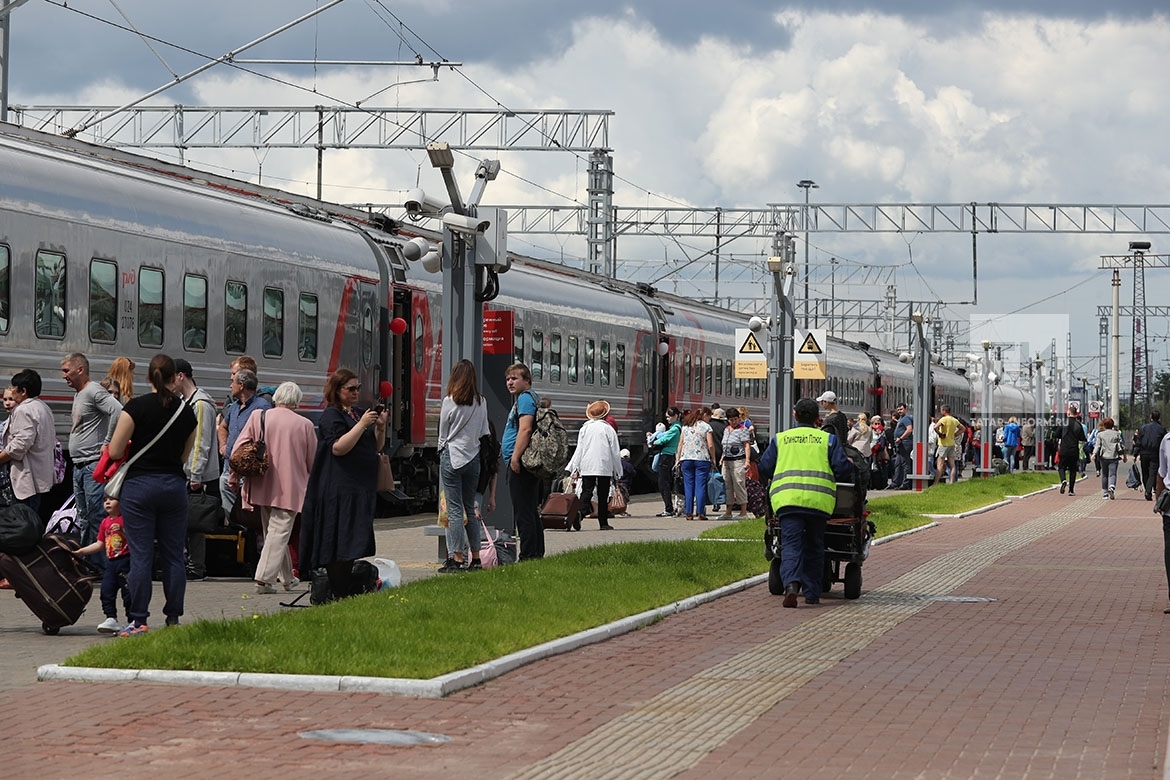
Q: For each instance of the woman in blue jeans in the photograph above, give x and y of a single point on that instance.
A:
(154, 493)
(462, 421)
(696, 454)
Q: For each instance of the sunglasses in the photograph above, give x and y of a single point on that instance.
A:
(352, 388)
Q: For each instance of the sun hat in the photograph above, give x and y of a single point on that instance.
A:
(598, 410)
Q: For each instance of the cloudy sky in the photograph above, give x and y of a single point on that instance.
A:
(725, 104)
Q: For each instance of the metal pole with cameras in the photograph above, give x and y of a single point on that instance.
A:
(782, 333)
(472, 261)
(987, 437)
(1041, 423)
(922, 408)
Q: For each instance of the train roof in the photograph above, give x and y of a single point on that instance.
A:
(69, 180)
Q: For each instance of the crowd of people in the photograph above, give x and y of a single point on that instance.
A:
(315, 497)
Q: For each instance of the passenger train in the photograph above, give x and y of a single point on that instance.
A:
(112, 254)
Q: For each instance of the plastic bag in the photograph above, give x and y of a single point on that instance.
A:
(389, 575)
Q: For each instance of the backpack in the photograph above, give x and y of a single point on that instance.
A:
(548, 447)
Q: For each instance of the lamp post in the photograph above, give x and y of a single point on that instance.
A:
(988, 435)
(806, 185)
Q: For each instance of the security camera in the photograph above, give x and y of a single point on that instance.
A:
(418, 205)
(755, 324)
(419, 249)
(906, 357)
(468, 226)
(415, 248)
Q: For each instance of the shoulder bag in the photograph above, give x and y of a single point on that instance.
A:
(250, 459)
(114, 483)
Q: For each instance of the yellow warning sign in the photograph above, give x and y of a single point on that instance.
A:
(751, 345)
(750, 369)
(810, 346)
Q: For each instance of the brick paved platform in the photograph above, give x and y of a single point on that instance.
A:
(1023, 642)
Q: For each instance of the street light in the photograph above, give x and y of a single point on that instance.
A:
(806, 185)
(987, 437)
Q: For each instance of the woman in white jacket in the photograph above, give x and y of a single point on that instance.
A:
(597, 461)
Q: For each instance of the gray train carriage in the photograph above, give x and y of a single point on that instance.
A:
(583, 340)
(109, 258)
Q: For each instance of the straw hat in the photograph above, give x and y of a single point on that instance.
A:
(598, 410)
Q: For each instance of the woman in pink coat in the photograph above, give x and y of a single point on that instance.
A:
(291, 443)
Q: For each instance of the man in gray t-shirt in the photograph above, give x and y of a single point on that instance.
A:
(95, 415)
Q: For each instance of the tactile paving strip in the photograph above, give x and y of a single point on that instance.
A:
(681, 725)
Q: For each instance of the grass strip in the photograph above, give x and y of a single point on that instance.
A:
(444, 624)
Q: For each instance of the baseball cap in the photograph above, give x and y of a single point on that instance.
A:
(624, 453)
(829, 396)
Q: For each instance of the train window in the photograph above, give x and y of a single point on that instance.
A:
(419, 344)
(590, 355)
(307, 327)
(698, 387)
(710, 380)
(50, 295)
(194, 312)
(272, 324)
(572, 357)
(150, 307)
(103, 301)
(235, 317)
(537, 365)
(367, 332)
(620, 364)
(518, 344)
(686, 383)
(554, 357)
(605, 364)
(718, 375)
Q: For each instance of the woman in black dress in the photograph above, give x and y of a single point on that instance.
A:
(337, 520)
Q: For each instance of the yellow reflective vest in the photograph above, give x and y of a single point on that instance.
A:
(803, 475)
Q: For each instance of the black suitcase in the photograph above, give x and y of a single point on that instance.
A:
(51, 582)
(560, 511)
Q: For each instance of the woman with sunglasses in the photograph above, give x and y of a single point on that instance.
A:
(337, 520)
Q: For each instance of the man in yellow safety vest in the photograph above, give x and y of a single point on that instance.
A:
(802, 466)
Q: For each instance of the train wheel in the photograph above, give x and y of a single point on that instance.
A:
(852, 580)
(775, 586)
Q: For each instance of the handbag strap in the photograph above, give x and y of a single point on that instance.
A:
(262, 412)
(157, 436)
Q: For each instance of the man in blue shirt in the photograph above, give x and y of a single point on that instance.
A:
(903, 445)
(523, 487)
(244, 384)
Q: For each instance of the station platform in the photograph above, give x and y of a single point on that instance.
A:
(1026, 642)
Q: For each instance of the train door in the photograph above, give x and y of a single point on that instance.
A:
(661, 360)
(398, 373)
(369, 341)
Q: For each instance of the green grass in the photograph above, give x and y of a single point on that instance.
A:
(444, 624)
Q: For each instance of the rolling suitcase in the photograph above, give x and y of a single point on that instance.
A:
(51, 582)
(560, 511)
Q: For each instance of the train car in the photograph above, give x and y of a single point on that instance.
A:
(111, 254)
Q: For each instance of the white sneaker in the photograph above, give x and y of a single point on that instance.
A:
(264, 587)
(292, 583)
(109, 626)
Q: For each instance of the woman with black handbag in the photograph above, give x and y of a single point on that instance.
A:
(463, 422)
(154, 491)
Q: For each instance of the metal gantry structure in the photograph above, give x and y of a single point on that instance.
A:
(1141, 378)
(599, 222)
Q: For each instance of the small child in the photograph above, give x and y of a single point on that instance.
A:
(112, 537)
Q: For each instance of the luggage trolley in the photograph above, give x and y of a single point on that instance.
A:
(848, 536)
